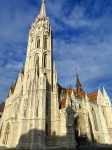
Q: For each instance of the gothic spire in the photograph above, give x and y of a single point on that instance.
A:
(78, 84)
(43, 10)
(105, 93)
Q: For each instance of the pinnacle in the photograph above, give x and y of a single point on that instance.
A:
(43, 10)
(43, 1)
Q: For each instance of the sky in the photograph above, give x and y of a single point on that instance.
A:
(82, 31)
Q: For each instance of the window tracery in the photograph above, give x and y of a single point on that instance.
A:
(38, 42)
(45, 42)
(45, 61)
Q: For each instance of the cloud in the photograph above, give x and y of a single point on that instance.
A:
(77, 18)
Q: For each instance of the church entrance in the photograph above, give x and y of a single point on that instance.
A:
(80, 131)
(6, 134)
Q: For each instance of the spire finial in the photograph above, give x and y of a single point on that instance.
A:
(43, 11)
(43, 1)
(76, 70)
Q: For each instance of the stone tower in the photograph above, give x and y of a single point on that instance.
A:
(33, 100)
(38, 84)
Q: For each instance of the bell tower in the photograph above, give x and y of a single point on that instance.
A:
(39, 49)
(38, 82)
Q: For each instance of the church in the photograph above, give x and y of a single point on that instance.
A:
(40, 114)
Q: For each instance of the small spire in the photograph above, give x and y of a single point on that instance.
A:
(43, 10)
(78, 84)
(104, 92)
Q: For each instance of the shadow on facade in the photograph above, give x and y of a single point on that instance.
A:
(44, 139)
(36, 139)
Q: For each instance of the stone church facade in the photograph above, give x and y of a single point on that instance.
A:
(39, 113)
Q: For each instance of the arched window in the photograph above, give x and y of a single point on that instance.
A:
(6, 136)
(38, 43)
(37, 65)
(45, 42)
(45, 61)
(95, 120)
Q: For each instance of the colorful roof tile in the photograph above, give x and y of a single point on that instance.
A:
(93, 96)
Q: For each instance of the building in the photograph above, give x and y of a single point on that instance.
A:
(1, 109)
(39, 113)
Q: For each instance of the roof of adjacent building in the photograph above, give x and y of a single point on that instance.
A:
(2, 105)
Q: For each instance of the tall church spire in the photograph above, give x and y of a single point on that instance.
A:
(43, 10)
(78, 84)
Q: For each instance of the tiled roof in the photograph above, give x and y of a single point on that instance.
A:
(69, 91)
(93, 96)
(63, 103)
(80, 95)
(2, 106)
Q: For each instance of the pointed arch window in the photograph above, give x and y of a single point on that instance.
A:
(38, 43)
(45, 61)
(95, 120)
(45, 42)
